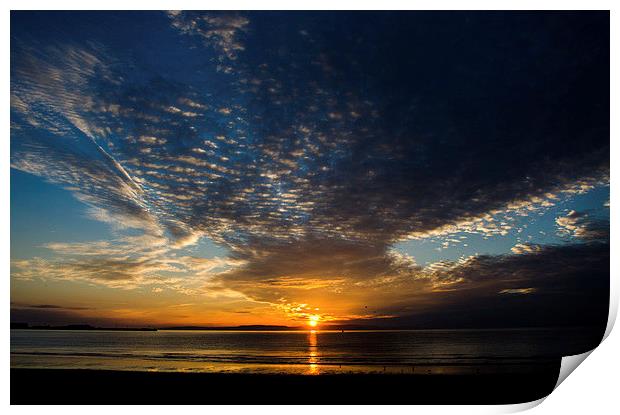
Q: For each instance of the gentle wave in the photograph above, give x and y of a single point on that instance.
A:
(292, 360)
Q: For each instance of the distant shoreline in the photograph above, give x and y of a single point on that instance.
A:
(259, 327)
(84, 327)
(87, 327)
(247, 327)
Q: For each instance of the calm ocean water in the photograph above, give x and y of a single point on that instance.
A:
(419, 351)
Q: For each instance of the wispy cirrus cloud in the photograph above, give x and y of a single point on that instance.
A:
(128, 262)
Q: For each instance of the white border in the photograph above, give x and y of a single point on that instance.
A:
(592, 389)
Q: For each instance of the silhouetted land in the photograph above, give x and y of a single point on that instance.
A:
(26, 326)
(261, 327)
(77, 386)
(254, 327)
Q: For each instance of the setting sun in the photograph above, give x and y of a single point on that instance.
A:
(313, 320)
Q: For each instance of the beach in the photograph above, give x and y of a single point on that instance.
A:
(78, 386)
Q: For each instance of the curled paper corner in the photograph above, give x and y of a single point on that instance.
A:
(520, 407)
(569, 364)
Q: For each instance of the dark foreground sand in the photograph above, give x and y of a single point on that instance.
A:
(77, 386)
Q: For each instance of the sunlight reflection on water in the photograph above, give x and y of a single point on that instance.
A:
(302, 352)
(313, 354)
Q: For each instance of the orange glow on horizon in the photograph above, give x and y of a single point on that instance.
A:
(313, 320)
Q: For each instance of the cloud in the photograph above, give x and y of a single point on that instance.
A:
(311, 155)
(522, 291)
(218, 30)
(48, 306)
(558, 285)
(303, 174)
(354, 285)
(128, 262)
(525, 248)
(580, 225)
(541, 265)
(49, 87)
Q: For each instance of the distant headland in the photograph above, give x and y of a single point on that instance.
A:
(26, 326)
(252, 327)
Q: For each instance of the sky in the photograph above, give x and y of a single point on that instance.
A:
(393, 169)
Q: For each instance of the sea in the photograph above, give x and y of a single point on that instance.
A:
(299, 352)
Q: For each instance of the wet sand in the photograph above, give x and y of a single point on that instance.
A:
(79, 386)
